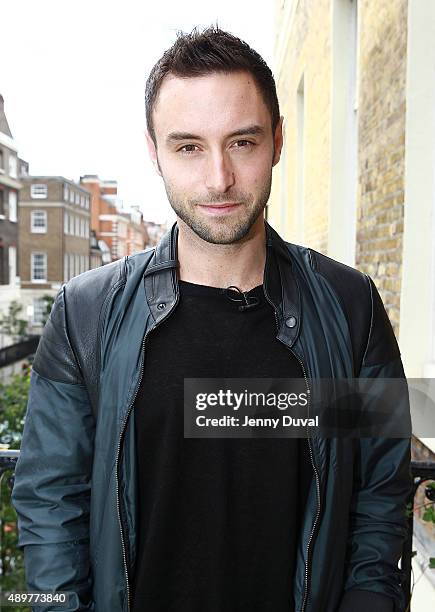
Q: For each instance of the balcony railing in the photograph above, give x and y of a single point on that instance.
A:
(20, 350)
(422, 471)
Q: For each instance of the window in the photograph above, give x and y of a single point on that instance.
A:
(12, 166)
(38, 266)
(71, 265)
(77, 197)
(65, 223)
(2, 160)
(2, 203)
(82, 200)
(77, 266)
(77, 228)
(38, 221)
(71, 197)
(65, 267)
(12, 205)
(12, 265)
(87, 228)
(65, 193)
(71, 225)
(87, 201)
(38, 311)
(38, 191)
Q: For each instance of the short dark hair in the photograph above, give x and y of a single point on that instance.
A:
(206, 52)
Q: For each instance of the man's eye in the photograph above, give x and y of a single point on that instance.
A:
(247, 144)
(185, 147)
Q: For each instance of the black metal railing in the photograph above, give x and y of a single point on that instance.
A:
(422, 471)
(20, 350)
(8, 459)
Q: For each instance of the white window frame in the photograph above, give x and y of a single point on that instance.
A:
(38, 308)
(12, 166)
(38, 191)
(65, 267)
(65, 193)
(32, 260)
(3, 194)
(71, 266)
(38, 229)
(77, 226)
(12, 256)
(13, 206)
(65, 222)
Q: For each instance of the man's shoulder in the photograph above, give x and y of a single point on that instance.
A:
(350, 285)
(97, 282)
(97, 279)
(69, 349)
(352, 288)
(333, 270)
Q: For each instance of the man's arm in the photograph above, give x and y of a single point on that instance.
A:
(52, 486)
(378, 522)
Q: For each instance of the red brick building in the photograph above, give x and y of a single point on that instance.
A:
(122, 231)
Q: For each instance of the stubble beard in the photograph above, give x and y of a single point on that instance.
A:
(220, 230)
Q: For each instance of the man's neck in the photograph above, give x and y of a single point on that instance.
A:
(221, 265)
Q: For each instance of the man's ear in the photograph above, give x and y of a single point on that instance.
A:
(278, 140)
(152, 152)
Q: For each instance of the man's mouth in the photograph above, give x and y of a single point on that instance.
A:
(219, 209)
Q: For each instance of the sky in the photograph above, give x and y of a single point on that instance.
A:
(72, 74)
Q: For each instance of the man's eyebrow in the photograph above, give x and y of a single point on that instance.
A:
(250, 130)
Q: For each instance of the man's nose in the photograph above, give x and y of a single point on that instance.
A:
(220, 174)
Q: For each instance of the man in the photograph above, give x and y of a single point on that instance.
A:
(114, 503)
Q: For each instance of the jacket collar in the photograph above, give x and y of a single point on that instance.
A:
(280, 284)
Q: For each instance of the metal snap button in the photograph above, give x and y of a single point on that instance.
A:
(291, 321)
(161, 306)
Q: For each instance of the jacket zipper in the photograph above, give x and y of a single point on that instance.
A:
(304, 601)
(119, 448)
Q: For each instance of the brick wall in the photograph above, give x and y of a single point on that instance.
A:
(381, 152)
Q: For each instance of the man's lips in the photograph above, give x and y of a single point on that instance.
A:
(219, 209)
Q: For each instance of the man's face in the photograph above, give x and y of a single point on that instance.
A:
(215, 147)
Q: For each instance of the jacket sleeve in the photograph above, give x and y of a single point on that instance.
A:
(51, 494)
(383, 484)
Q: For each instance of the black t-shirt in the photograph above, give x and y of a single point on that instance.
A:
(218, 517)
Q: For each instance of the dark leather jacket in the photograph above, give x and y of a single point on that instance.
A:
(75, 487)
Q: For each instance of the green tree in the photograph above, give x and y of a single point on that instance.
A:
(11, 324)
(48, 299)
(13, 402)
